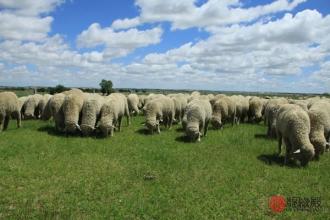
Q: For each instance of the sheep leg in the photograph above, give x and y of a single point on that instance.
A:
(119, 123)
(18, 119)
(2, 121)
(279, 143)
(202, 128)
(206, 127)
(287, 150)
(158, 129)
(6, 122)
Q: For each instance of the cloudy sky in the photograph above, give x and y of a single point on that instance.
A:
(241, 45)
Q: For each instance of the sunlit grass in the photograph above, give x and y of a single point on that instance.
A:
(230, 174)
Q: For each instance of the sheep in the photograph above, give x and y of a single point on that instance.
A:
(302, 103)
(72, 106)
(242, 107)
(31, 106)
(216, 97)
(115, 106)
(54, 108)
(319, 114)
(21, 101)
(198, 113)
(142, 99)
(158, 110)
(256, 106)
(91, 113)
(133, 103)
(180, 103)
(9, 107)
(271, 109)
(224, 109)
(42, 104)
(293, 126)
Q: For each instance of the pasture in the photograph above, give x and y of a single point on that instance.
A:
(230, 174)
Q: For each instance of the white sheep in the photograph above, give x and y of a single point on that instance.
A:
(91, 113)
(159, 110)
(31, 106)
(198, 113)
(319, 114)
(293, 126)
(115, 106)
(133, 104)
(224, 109)
(72, 106)
(9, 107)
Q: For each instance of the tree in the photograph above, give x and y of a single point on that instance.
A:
(106, 86)
(57, 89)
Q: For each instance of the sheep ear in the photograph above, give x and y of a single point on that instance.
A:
(297, 151)
(78, 127)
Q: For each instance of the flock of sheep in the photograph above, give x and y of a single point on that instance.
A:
(303, 125)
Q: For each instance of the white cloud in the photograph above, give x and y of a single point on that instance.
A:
(15, 27)
(25, 20)
(28, 7)
(125, 23)
(119, 43)
(185, 14)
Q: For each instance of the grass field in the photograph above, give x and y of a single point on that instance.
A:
(230, 174)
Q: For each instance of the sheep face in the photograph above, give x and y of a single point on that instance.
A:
(306, 155)
(193, 133)
(86, 129)
(30, 110)
(319, 144)
(71, 127)
(216, 122)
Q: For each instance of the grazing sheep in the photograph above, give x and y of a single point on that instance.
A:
(271, 109)
(216, 97)
(199, 113)
(54, 108)
(319, 114)
(224, 109)
(180, 103)
(293, 126)
(31, 109)
(142, 99)
(72, 106)
(42, 104)
(21, 101)
(114, 108)
(302, 103)
(159, 110)
(256, 106)
(9, 107)
(133, 103)
(242, 108)
(91, 113)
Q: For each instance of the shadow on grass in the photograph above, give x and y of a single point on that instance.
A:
(144, 131)
(261, 136)
(184, 139)
(274, 159)
(179, 129)
(52, 131)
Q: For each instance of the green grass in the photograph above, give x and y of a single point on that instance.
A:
(136, 176)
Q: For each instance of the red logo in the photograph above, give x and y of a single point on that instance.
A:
(277, 203)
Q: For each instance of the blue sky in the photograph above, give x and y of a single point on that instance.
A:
(188, 44)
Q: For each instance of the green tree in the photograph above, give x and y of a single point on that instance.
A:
(57, 89)
(106, 86)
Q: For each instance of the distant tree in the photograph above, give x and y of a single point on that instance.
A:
(106, 86)
(57, 89)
